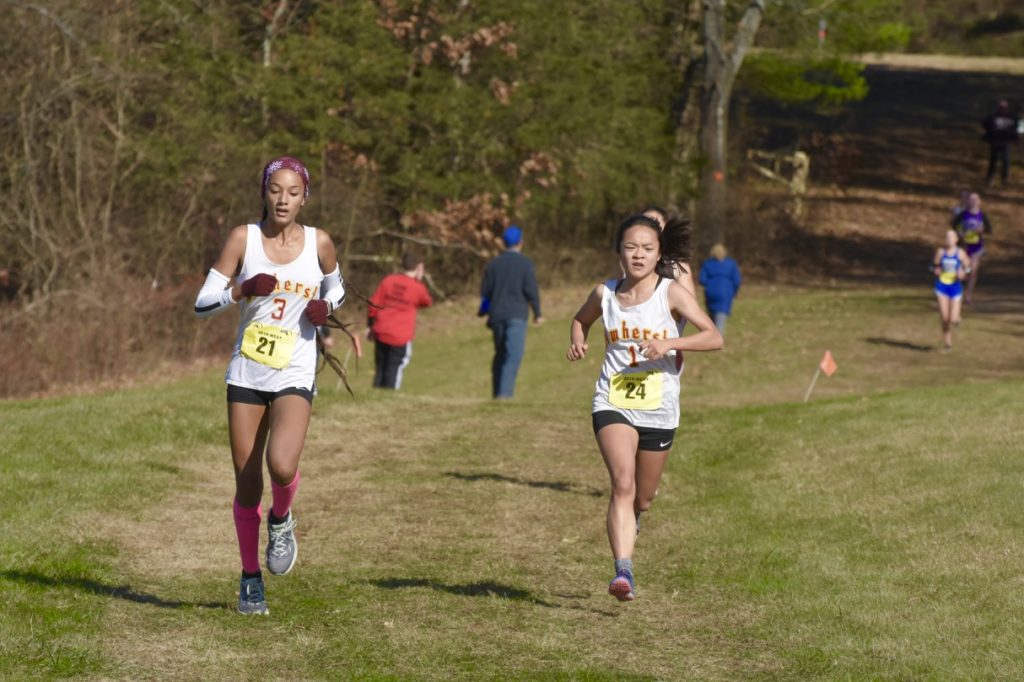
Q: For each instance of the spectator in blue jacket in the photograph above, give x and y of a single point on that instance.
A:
(508, 293)
(720, 277)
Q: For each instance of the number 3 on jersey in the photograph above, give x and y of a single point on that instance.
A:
(636, 390)
(278, 314)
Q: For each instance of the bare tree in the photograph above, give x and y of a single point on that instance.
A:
(721, 65)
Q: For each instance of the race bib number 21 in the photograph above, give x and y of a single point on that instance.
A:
(269, 345)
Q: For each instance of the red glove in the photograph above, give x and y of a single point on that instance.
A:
(259, 285)
(316, 312)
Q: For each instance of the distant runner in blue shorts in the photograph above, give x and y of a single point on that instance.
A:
(950, 265)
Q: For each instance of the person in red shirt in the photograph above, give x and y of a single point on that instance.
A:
(392, 320)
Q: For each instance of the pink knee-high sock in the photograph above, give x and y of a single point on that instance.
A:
(283, 496)
(247, 526)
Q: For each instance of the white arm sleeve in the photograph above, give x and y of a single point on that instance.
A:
(215, 295)
(333, 289)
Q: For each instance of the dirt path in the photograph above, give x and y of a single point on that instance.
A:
(946, 62)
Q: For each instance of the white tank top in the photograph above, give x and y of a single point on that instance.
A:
(278, 323)
(645, 391)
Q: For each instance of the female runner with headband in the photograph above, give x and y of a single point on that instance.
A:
(287, 280)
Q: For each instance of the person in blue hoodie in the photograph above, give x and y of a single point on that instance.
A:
(720, 277)
(508, 292)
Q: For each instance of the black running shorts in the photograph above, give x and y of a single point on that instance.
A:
(657, 440)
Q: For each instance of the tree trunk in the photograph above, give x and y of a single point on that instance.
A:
(720, 68)
(714, 178)
(268, 39)
(686, 51)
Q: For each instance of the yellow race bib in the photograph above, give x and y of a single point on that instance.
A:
(972, 237)
(947, 277)
(269, 345)
(636, 391)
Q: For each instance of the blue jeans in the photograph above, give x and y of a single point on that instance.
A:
(509, 344)
(720, 320)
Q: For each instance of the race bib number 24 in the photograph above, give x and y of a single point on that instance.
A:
(636, 390)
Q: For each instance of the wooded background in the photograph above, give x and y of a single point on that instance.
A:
(132, 135)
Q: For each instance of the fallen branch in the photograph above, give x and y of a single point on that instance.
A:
(427, 242)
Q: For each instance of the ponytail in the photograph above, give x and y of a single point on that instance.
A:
(334, 323)
(676, 242)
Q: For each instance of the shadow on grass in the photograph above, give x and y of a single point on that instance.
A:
(482, 589)
(559, 486)
(96, 587)
(896, 343)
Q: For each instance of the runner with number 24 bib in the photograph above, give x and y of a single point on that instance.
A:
(636, 399)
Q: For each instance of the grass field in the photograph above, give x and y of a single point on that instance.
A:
(872, 533)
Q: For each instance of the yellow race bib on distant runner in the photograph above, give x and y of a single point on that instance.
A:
(269, 345)
(636, 391)
(972, 237)
(947, 277)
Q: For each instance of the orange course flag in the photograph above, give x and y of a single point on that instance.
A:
(828, 364)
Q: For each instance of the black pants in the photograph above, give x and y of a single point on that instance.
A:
(391, 361)
(997, 153)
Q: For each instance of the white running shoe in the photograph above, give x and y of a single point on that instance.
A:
(282, 549)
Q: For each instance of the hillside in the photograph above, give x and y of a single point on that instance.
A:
(886, 172)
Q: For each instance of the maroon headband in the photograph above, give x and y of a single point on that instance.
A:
(292, 164)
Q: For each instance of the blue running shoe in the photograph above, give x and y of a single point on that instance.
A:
(622, 586)
(251, 599)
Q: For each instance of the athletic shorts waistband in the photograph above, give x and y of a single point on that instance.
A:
(252, 396)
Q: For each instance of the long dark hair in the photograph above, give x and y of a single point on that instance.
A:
(675, 240)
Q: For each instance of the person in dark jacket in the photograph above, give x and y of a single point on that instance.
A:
(1000, 131)
(509, 290)
(720, 277)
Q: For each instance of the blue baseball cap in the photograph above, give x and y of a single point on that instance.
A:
(512, 235)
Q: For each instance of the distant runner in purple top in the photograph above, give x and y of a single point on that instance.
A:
(970, 224)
